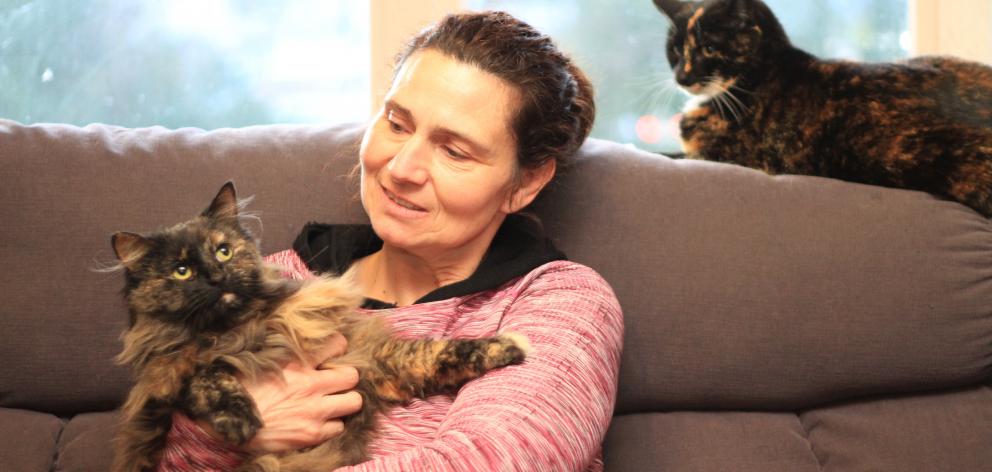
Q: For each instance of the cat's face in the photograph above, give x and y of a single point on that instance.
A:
(198, 274)
(713, 45)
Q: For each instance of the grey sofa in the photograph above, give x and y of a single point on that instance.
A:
(772, 323)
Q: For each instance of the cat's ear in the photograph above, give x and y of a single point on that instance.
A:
(225, 204)
(129, 247)
(673, 8)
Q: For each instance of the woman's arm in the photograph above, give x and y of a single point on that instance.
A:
(550, 413)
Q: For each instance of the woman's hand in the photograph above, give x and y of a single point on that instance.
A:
(304, 406)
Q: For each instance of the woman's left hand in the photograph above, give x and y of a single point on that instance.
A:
(303, 407)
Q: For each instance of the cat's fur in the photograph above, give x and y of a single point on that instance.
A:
(924, 124)
(189, 340)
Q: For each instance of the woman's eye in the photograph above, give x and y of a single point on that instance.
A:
(182, 273)
(452, 153)
(224, 253)
(394, 124)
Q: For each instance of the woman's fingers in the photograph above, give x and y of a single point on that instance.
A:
(334, 347)
(342, 404)
(331, 429)
(302, 406)
(334, 380)
(302, 422)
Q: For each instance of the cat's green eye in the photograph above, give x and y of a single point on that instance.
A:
(182, 273)
(224, 253)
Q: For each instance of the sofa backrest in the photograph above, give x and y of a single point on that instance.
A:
(739, 290)
(743, 291)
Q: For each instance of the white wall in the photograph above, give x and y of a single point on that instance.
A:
(956, 27)
(394, 22)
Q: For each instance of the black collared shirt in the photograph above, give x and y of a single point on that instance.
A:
(518, 247)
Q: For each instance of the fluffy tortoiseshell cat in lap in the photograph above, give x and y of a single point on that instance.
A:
(924, 124)
(205, 309)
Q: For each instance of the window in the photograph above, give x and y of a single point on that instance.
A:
(181, 63)
(620, 44)
(217, 63)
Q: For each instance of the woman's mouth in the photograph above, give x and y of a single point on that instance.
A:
(401, 202)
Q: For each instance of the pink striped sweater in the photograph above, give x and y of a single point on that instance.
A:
(548, 414)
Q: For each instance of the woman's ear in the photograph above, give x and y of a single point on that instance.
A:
(531, 184)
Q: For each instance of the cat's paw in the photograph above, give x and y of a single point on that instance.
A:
(235, 429)
(508, 349)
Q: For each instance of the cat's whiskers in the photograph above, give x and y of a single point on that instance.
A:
(738, 88)
(719, 105)
(730, 91)
(659, 89)
(723, 97)
(673, 91)
(735, 104)
(713, 91)
(743, 108)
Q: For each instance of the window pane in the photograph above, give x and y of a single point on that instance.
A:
(620, 44)
(203, 63)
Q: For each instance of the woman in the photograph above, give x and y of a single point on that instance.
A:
(482, 112)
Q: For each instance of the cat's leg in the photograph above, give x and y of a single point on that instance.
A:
(216, 395)
(147, 413)
(706, 134)
(693, 130)
(404, 369)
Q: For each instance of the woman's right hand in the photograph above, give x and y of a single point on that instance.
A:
(303, 407)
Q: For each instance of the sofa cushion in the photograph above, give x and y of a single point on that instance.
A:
(85, 444)
(942, 431)
(29, 440)
(708, 441)
(948, 431)
(746, 291)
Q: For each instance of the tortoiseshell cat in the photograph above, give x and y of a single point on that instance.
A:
(204, 309)
(924, 124)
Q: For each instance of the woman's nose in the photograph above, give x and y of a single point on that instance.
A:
(411, 163)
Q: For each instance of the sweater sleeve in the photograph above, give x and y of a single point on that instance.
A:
(187, 446)
(292, 266)
(550, 413)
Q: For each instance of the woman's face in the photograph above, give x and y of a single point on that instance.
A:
(439, 160)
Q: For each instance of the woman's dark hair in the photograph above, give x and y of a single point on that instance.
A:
(557, 109)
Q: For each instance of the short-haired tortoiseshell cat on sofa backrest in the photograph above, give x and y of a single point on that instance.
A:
(923, 124)
(205, 309)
